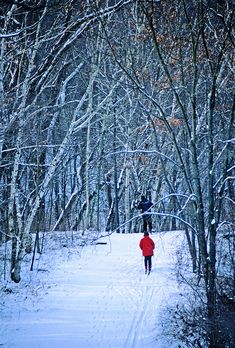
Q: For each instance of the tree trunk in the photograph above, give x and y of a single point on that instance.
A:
(127, 198)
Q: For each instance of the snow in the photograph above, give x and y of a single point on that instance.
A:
(94, 296)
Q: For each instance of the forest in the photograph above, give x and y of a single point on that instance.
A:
(102, 101)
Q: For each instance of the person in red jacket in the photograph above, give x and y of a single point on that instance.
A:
(147, 246)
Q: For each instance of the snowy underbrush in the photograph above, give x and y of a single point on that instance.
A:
(55, 247)
(188, 321)
(189, 324)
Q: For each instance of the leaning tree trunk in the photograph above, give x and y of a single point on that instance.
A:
(25, 233)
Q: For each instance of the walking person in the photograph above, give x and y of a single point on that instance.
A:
(147, 246)
(145, 207)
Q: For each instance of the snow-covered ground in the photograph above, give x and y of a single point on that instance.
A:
(93, 297)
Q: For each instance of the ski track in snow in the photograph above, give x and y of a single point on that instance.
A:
(101, 299)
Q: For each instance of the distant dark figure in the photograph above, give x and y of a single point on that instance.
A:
(145, 207)
(147, 246)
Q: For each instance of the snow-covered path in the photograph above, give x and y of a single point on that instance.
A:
(101, 299)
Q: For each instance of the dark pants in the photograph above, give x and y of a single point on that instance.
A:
(147, 223)
(148, 262)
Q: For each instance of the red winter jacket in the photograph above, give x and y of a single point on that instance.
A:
(147, 246)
